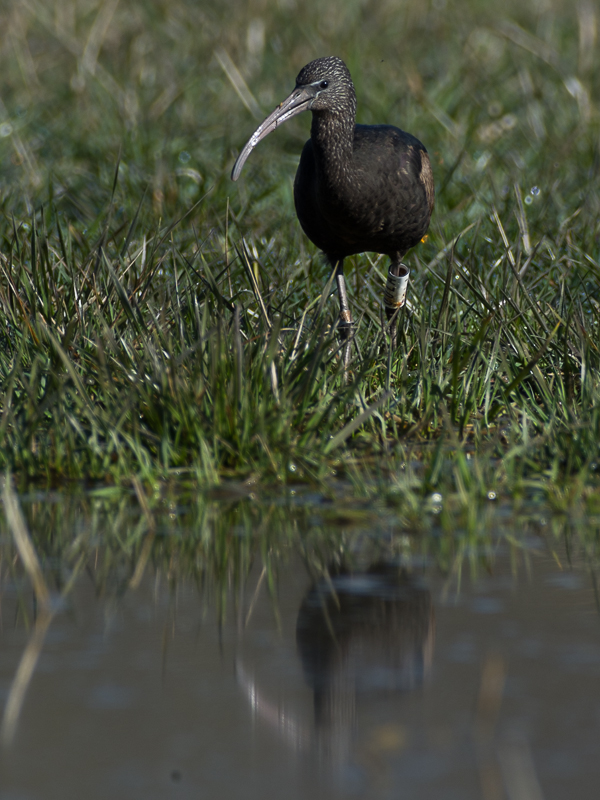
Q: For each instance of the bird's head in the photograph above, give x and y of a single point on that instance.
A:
(322, 86)
(328, 82)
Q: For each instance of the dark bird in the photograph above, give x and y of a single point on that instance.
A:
(358, 187)
(362, 633)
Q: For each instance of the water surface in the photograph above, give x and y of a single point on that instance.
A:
(392, 677)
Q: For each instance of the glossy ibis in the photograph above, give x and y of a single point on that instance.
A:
(358, 187)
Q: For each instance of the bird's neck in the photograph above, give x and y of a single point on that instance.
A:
(333, 138)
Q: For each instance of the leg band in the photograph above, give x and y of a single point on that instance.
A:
(394, 295)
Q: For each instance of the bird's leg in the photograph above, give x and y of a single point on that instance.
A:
(394, 296)
(345, 321)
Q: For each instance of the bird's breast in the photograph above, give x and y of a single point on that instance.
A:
(374, 201)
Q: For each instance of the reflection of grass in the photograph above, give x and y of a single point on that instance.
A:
(140, 335)
(235, 549)
(217, 541)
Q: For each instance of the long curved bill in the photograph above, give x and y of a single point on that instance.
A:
(299, 100)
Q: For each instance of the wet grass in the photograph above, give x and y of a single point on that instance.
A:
(160, 322)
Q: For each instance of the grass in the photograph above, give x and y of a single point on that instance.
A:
(160, 322)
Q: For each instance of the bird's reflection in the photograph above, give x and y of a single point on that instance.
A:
(357, 633)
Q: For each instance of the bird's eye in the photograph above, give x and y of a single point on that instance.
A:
(323, 84)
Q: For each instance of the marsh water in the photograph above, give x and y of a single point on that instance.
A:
(277, 654)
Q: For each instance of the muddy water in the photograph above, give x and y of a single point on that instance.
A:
(385, 682)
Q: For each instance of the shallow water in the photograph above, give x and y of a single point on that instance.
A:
(397, 681)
